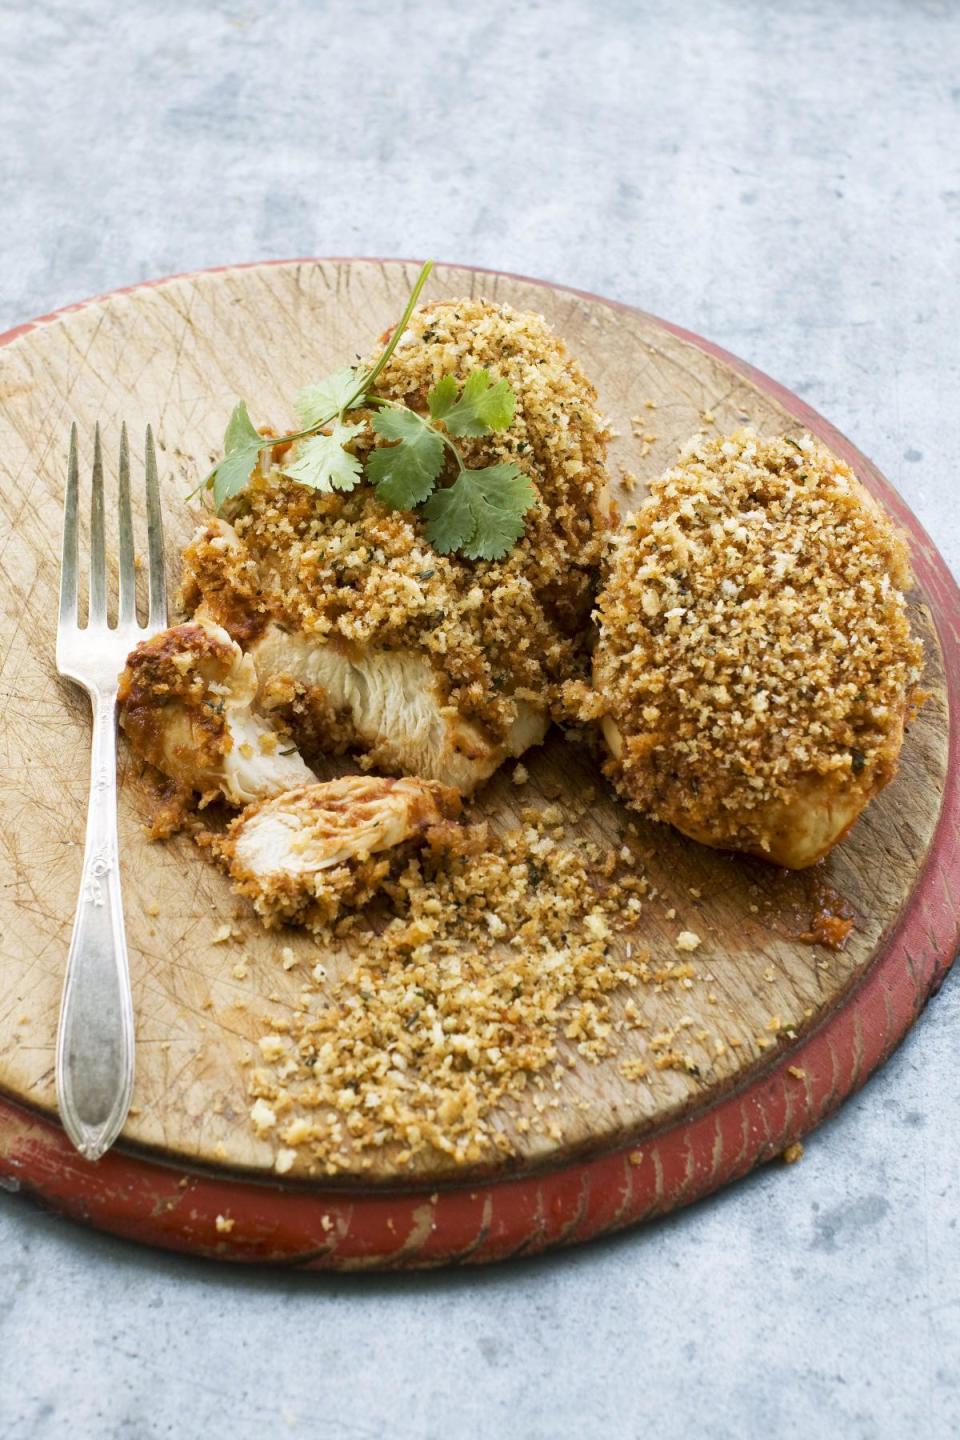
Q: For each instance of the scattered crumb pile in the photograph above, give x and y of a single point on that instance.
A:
(753, 634)
(493, 959)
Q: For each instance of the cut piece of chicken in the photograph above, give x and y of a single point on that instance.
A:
(391, 704)
(186, 698)
(754, 667)
(306, 854)
(435, 665)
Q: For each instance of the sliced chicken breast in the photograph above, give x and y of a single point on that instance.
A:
(186, 706)
(305, 854)
(393, 706)
(337, 694)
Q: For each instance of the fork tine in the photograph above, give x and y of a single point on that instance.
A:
(69, 559)
(128, 576)
(98, 554)
(158, 581)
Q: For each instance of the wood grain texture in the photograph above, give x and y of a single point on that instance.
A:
(177, 355)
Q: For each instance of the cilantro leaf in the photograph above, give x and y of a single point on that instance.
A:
(404, 473)
(483, 406)
(319, 404)
(324, 464)
(233, 474)
(442, 397)
(451, 522)
(481, 515)
(242, 444)
(240, 430)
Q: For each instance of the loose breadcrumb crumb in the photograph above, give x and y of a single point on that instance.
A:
(496, 966)
(634, 1069)
(262, 1116)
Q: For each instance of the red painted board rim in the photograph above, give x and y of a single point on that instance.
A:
(248, 1220)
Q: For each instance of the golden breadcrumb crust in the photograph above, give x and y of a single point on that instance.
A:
(180, 666)
(346, 569)
(753, 639)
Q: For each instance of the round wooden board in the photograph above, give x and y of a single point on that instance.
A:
(177, 354)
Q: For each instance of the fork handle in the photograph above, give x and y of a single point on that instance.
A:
(95, 1036)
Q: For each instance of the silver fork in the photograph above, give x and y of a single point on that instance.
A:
(95, 1036)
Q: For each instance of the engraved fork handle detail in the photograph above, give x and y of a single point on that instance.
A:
(95, 1040)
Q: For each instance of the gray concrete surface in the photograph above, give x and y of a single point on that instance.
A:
(783, 177)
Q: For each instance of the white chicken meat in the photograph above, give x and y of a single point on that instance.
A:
(394, 706)
(304, 854)
(187, 701)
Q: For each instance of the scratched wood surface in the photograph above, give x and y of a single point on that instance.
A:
(178, 355)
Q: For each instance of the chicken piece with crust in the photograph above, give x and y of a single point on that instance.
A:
(186, 705)
(755, 667)
(306, 854)
(366, 638)
(391, 704)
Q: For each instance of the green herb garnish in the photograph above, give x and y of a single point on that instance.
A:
(324, 463)
(316, 404)
(405, 473)
(242, 444)
(480, 408)
(343, 390)
(480, 515)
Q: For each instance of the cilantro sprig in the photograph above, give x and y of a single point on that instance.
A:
(317, 407)
(480, 515)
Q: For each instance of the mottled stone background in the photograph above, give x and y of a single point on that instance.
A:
(780, 175)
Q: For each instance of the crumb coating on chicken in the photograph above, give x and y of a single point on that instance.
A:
(753, 639)
(308, 853)
(347, 570)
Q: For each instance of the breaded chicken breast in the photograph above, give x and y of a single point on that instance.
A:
(755, 668)
(363, 635)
